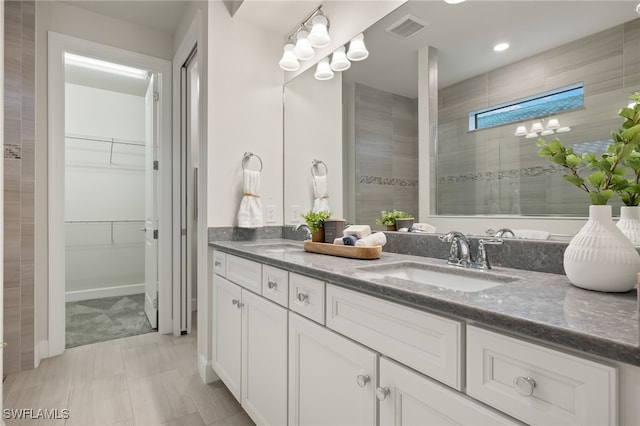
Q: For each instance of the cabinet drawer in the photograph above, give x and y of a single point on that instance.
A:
(275, 285)
(425, 342)
(219, 260)
(306, 297)
(243, 272)
(553, 387)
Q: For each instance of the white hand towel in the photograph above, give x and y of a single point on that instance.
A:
(531, 234)
(250, 212)
(338, 241)
(377, 239)
(321, 198)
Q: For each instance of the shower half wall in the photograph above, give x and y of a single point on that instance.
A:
(104, 192)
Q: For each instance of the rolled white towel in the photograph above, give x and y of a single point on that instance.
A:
(377, 239)
(338, 241)
(358, 231)
(531, 234)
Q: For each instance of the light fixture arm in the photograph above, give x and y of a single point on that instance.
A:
(304, 25)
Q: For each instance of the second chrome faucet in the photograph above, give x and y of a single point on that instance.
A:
(460, 252)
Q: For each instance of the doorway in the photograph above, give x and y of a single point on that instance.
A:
(109, 135)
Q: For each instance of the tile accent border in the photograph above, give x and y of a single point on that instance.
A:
(12, 152)
(389, 181)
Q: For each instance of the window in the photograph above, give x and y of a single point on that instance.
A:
(541, 105)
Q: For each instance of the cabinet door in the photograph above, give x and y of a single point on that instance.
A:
(409, 398)
(227, 322)
(264, 360)
(331, 378)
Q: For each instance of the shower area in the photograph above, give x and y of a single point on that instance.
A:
(104, 204)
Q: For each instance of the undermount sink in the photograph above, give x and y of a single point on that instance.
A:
(441, 276)
(277, 247)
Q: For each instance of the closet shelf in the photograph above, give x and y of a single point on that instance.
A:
(112, 141)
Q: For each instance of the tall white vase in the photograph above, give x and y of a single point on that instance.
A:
(629, 223)
(600, 257)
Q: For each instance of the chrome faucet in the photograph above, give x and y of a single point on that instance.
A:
(483, 259)
(307, 235)
(459, 253)
(500, 233)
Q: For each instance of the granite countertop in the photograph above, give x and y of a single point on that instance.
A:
(538, 305)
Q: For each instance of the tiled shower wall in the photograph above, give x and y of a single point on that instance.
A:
(19, 161)
(492, 171)
(386, 153)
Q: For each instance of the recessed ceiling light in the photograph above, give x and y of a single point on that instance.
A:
(453, 1)
(501, 47)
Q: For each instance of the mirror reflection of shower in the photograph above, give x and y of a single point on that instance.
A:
(105, 139)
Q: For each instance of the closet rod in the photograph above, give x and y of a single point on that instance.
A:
(105, 140)
(104, 221)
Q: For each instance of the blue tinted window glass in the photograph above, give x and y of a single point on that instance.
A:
(562, 99)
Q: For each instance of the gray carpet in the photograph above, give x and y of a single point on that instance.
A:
(98, 320)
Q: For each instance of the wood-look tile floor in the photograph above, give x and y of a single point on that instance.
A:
(150, 379)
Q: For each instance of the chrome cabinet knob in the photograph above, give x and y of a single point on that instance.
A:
(272, 284)
(217, 263)
(362, 380)
(303, 297)
(524, 385)
(382, 393)
(237, 303)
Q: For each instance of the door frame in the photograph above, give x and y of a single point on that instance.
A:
(58, 44)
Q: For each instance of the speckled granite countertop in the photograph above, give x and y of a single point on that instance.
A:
(539, 305)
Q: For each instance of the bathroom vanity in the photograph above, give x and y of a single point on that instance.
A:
(303, 338)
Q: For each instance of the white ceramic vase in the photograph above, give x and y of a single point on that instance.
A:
(600, 257)
(629, 223)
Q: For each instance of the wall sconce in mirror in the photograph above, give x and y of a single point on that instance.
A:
(312, 33)
(539, 129)
(323, 70)
(357, 50)
(341, 58)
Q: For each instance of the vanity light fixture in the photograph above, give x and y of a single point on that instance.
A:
(454, 1)
(289, 61)
(311, 33)
(339, 61)
(99, 65)
(538, 129)
(357, 49)
(323, 70)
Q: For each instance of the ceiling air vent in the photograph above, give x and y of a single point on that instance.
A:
(407, 27)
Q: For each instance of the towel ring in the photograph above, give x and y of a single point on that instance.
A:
(314, 166)
(246, 157)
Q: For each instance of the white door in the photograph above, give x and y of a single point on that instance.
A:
(150, 205)
(409, 398)
(331, 378)
(264, 360)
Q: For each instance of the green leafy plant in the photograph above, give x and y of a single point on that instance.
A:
(315, 220)
(389, 218)
(608, 173)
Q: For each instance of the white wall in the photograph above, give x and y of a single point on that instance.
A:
(307, 138)
(67, 19)
(104, 183)
(244, 113)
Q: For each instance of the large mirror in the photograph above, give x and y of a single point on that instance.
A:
(406, 141)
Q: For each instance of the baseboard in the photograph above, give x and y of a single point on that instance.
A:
(206, 370)
(99, 293)
(40, 352)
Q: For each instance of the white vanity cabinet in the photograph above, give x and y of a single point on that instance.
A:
(250, 344)
(409, 398)
(331, 378)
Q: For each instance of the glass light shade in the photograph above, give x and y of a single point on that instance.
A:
(564, 129)
(546, 132)
(319, 36)
(537, 127)
(531, 135)
(289, 61)
(303, 49)
(454, 1)
(553, 124)
(339, 61)
(521, 131)
(357, 50)
(323, 70)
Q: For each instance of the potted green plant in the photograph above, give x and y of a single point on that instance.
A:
(315, 222)
(600, 257)
(389, 218)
